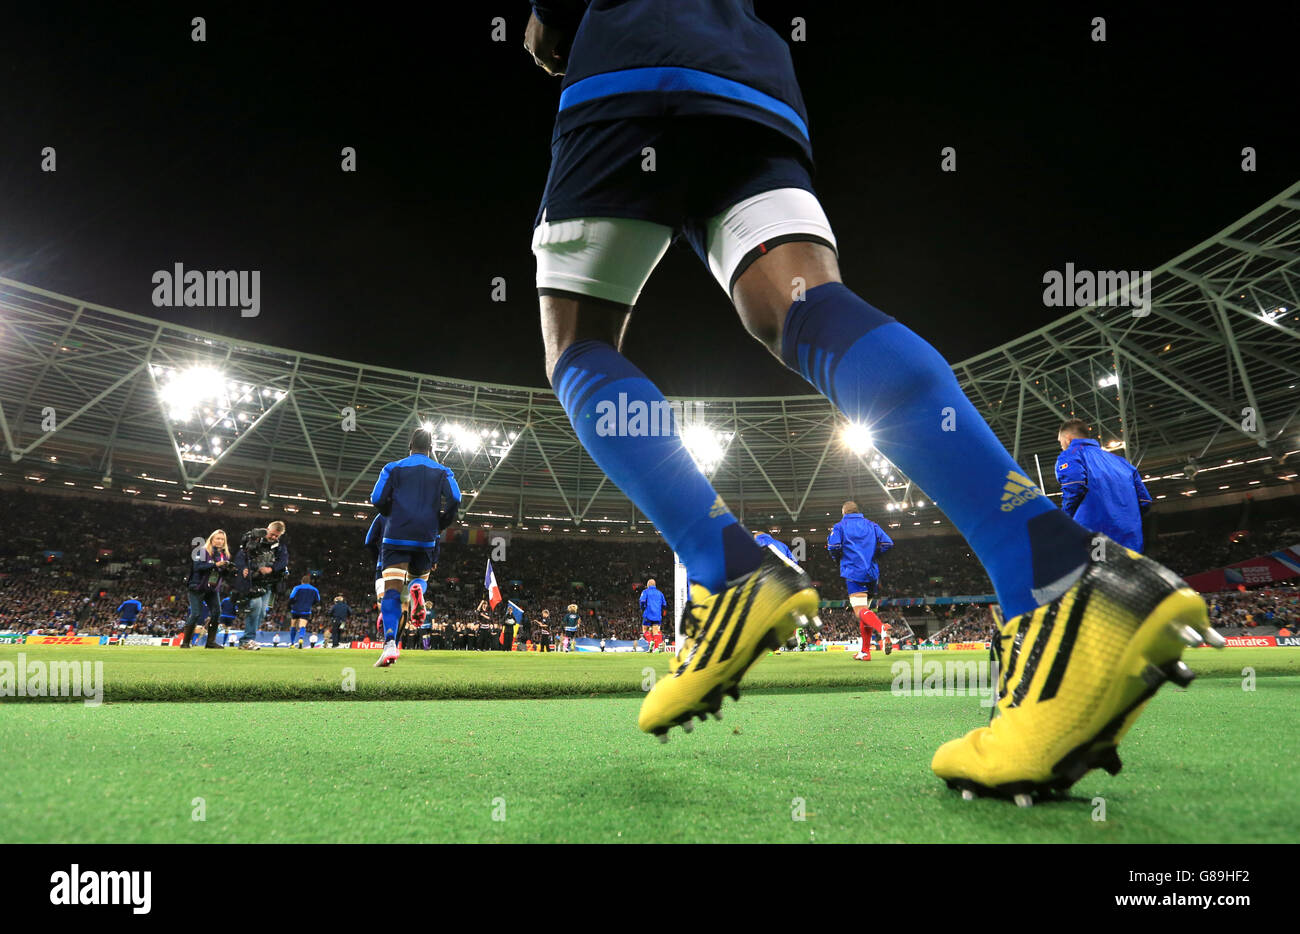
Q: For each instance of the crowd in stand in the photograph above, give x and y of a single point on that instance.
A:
(1255, 609)
(974, 624)
(112, 550)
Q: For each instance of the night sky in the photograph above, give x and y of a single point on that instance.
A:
(225, 155)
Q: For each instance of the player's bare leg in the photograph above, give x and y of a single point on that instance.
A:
(764, 292)
(567, 319)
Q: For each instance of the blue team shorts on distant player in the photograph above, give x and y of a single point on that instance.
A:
(867, 587)
(647, 623)
(703, 165)
(418, 560)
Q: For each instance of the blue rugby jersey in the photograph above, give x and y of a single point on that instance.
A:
(639, 58)
(302, 598)
(418, 497)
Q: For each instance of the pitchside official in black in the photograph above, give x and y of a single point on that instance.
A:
(339, 613)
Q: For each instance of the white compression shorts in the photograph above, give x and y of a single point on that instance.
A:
(612, 258)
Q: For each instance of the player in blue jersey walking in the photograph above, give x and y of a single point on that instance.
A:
(418, 497)
(707, 90)
(303, 599)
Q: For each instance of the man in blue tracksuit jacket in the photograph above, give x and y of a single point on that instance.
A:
(653, 602)
(418, 497)
(763, 540)
(1100, 490)
(856, 543)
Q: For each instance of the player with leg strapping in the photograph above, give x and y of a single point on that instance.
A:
(418, 497)
(709, 89)
(856, 543)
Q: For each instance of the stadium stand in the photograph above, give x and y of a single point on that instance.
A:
(73, 558)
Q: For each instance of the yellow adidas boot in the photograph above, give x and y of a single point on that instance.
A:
(1074, 675)
(725, 633)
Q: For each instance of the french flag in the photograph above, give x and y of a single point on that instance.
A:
(490, 583)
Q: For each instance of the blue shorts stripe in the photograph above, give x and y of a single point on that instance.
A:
(632, 80)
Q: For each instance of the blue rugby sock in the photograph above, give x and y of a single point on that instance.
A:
(293, 635)
(618, 416)
(881, 375)
(391, 607)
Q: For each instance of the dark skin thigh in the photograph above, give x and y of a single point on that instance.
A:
(762, 296)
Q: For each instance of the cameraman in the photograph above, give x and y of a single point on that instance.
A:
(262, 561)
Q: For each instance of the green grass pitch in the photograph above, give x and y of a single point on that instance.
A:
(467, 747)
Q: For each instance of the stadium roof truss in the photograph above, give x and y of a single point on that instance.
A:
(1200, 392)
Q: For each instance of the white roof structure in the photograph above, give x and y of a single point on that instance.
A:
(1201, 393)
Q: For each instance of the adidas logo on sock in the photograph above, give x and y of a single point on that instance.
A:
(718, 508)
(1017, 491)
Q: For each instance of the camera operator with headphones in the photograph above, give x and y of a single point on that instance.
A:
(262, 562)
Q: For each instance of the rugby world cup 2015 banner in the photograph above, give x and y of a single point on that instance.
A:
(66, 640)
(1279, 565)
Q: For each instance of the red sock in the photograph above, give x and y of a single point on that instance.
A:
(867, 621)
